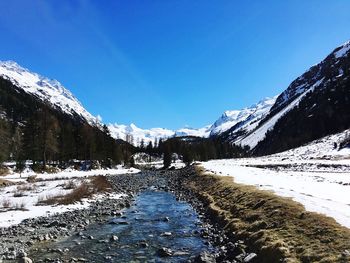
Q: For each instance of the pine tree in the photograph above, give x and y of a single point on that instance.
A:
(142, 144)
(48, 135)
(17, 144)
(167, 157)
(4, 140)
(188, 156)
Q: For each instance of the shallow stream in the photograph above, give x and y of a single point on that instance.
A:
(156, 228)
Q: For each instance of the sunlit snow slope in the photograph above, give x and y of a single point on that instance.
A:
(47, 90)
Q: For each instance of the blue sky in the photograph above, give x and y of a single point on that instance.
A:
(171, 63)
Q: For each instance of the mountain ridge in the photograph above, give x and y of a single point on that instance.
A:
(47, 90)
(326, 87)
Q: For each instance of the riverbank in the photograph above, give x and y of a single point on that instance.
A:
(278, 229)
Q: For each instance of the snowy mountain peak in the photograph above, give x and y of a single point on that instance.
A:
(327, 77)
(136, 135)
(231, 118)
(342, 50)
(47, 90)
(311, 77)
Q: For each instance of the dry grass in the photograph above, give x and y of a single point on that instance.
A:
(8, 206)
(4, 183)
(87, 189)
(276, 228)
(19, 194)
(26, 187)
(23, 188)
(4, 171)
(6, 203)
(69, 185)
(31, 179)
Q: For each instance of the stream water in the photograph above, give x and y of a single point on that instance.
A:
(155, 225)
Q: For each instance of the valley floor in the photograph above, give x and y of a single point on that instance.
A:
(318, 178)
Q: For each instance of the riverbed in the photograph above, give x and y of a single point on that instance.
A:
(156, 228)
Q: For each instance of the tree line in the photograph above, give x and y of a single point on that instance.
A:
(192, 148)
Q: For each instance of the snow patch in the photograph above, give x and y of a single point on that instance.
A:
(343, 50)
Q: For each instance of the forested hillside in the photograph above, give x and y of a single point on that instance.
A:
(31, 129)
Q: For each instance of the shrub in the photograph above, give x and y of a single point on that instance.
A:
(6, 203)
(69, 185)
(26, 187)
(31, 179)
(3, 170)
(19, 194)
(96, 185)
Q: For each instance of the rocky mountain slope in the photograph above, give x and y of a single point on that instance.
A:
(47, 90)
(314, 105)
(242, 120)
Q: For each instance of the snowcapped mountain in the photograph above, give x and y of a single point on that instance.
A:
(135, 135)
(47, 90)
(201, 132)
(314, 105)
(246, 118)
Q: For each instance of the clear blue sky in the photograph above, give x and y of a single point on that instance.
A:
(171, 63)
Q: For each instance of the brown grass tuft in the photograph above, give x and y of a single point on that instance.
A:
(97, 184)
(4, 183)
(4, 170)
(31, 179)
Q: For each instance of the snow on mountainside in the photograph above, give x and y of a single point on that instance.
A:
(245, 117)
(47, 90)
(201, 132)
(306, 81)
(135, 135)
(325, 75)
(256, 136)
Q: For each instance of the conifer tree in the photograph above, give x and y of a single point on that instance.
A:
(167, 157)
(4, 140)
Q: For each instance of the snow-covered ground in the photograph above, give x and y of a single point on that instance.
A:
(68, 173)
(316, 175)
(19, 201)
(178, 164)
(144, 159)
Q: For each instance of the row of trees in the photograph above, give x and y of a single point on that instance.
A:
(193, 149)
(45, 139)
